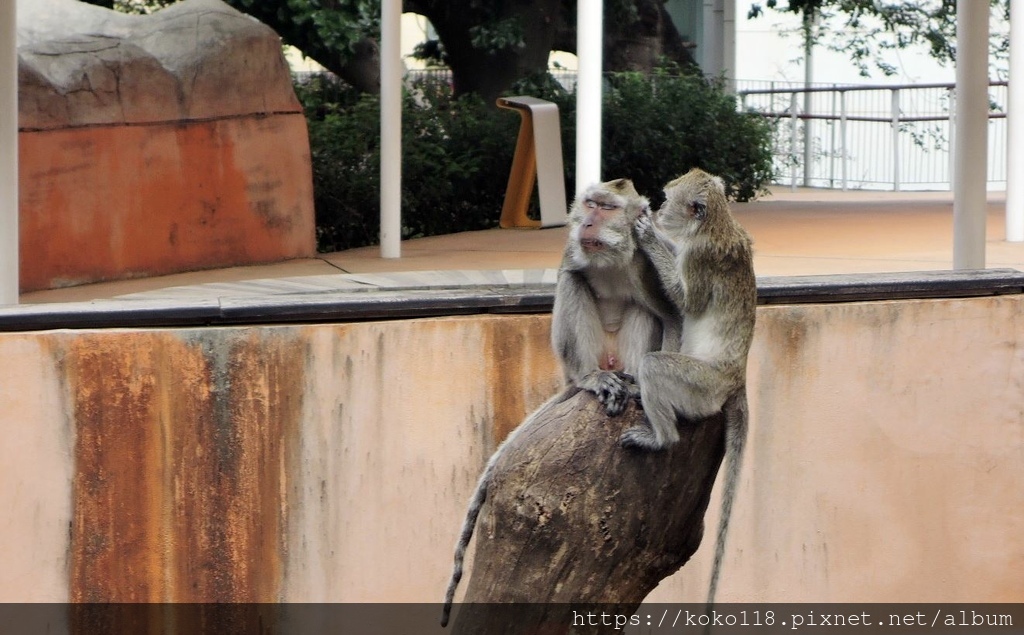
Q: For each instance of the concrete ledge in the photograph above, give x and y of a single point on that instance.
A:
(356, 297)
(888, 286)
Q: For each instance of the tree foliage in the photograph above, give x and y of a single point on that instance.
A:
(867, 29)
(658, 126)
(491, 45)
(341, 35)
(488, 45)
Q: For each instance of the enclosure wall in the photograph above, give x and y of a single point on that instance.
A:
(332, 463)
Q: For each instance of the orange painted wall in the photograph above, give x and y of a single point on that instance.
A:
(112, 202)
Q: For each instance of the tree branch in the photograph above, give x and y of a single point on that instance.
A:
(573, 519)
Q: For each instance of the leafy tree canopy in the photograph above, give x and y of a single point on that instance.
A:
(869, 28)
(488, 45)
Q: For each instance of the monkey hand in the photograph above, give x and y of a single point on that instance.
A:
(611, 388)
(644, 226)
(641, 438)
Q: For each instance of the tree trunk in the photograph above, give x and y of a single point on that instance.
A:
(646, 43)
(487, 71)
(362, 68)
(573, 522)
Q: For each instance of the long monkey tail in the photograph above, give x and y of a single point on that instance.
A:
(478, 500)
(736, 423)
(468, 525)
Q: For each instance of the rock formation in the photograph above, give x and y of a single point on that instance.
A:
(156, 144)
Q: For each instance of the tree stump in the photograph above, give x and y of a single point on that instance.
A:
(574, 522)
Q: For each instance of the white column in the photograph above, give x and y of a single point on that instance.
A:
(1015, 125)
(390, 129)
(971, 136)
(711, 56)
(8, 153)
(729, 45)
(589, 54)
(809, 23)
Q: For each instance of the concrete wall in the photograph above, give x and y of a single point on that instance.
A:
(333, 462)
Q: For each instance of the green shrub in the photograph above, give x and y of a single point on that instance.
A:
(456, 155)
(457, 152)
(456, 159)
(345, 151)
(658, 127)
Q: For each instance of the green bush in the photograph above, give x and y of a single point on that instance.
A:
(656, 128)
(455, 162)
(457, 152)
(345, 150)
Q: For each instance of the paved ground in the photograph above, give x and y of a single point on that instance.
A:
(795, 233)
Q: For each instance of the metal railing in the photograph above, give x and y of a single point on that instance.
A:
(870, 137)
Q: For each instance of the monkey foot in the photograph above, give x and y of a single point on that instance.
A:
(614, 402)
(640, 438)
(611, 388)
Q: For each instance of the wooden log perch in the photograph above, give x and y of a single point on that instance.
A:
(573, 519)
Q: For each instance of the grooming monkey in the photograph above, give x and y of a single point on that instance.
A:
(609, 307)
(706, 269)
(609, 311)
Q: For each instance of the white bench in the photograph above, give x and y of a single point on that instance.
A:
(538, 159)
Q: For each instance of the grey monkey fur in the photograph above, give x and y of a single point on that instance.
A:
(704, 259)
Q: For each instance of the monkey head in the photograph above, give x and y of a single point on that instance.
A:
(694, 202)
(601, 221)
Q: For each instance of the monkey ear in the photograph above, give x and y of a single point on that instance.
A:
(719, 184)
(623, 187)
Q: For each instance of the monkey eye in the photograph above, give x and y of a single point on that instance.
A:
(592, 204)
(699, 210)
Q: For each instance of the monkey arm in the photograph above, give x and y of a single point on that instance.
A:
(700, 284)
(576, 333)
(664, 263)
(578, 338)
(661, 258)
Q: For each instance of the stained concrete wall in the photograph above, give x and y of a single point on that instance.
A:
(333, 462)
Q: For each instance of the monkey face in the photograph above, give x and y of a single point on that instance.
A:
(600, 213)
(601, 222)
(679, 216)
(689, 200)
